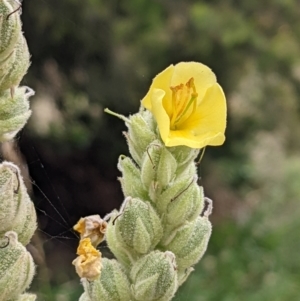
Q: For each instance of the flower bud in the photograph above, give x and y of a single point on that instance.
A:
(150, 162)
(186, 207)
(141, 132)
(189, 242)
(25, 224)
(18, 67)
(6, 64)
(131, 179)
(158, 165)
(166, 168)
(14, 112)
(154, 277)
(184, 154)
(16, 267)
(10, 29)
(124, 255)
(176, 191)
(138, 226)
(188, 170)
(113, 284)
(16, 209)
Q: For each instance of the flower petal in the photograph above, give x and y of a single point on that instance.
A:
(187, 138)
(88, 264)
(203, 76)
(161, 81)
(210, 115)
(160, 114)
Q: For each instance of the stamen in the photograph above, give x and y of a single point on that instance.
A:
(175, 100)
(183, 96)
(192, 101)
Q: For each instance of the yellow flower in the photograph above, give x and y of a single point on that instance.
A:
(88, 263)
(188, 105)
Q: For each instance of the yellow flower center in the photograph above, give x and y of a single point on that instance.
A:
(184, 103)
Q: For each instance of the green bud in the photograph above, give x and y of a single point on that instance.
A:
(10, 29)
(176, 190)
(189, 171)
(150, 120)
(131, 179)
(186, 207)
(140, 134)
(17, 211)
(154, 277)
(121, 252)
(189, 242)
(150, 162)
(158, 166)
(25, 224)
(18, 67)
(133, 149)
(16, 267)
(14, 112)
(166, 168)
(113, 284)
(6, 64)
(138, 226)
(184, 154)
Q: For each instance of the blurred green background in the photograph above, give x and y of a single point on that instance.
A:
(92, 54)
